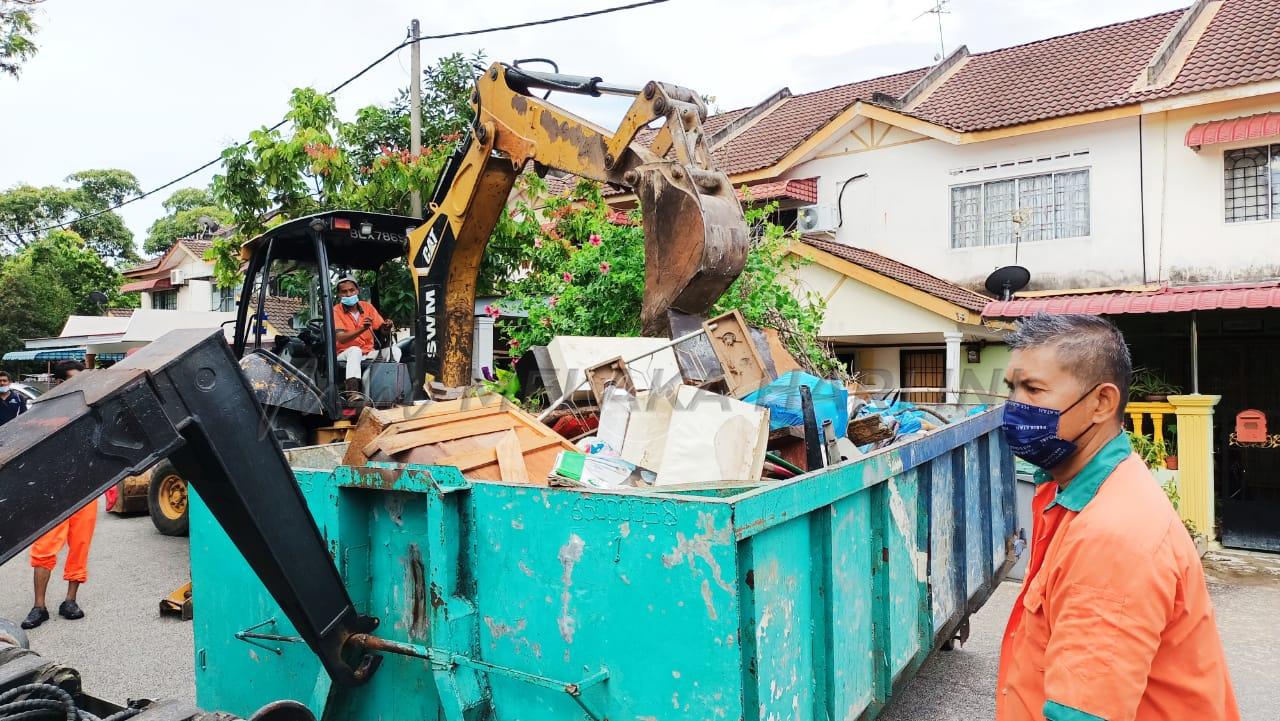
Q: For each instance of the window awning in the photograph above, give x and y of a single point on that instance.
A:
(804, 190)
(140, 285)
(1183, 299)
(1252, 127)
(55, 354)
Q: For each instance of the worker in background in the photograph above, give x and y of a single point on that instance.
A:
(76, 533)
(12, 403)
(355, 321)
(1114, 621)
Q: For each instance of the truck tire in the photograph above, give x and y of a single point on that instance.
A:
(12, 633)
(167, 500)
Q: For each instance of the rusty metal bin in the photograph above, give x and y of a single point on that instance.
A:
(814, 598)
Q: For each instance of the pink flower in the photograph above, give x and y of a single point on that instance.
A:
(567, 276)
(594, 239)
(537, 242)
(604, 268)
(553, 300)
(492, 311)
(515, 344)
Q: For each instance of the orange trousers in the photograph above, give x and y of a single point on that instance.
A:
(76, 533)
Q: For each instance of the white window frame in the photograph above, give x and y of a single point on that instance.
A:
(1273, 206)
(168, 293)
(982, 200)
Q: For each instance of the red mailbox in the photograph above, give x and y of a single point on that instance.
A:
(1251, 426)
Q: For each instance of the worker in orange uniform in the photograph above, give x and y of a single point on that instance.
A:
(76, 533)
(1114, 622)
(354, 323)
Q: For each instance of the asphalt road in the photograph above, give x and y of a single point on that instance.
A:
(123, 649)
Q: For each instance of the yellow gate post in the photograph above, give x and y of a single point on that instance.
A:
(1195, 459)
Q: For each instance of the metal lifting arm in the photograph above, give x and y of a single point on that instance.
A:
(183, 397)
(695, 236)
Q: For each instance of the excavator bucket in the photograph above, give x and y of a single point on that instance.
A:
(695, 241)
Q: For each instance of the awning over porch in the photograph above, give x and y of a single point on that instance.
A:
(1252, 127)
(1167, 299)
(148, 285)
(804, 190)
(57, 354)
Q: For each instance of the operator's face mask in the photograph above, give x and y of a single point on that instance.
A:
(1032, 432)
(350, 300)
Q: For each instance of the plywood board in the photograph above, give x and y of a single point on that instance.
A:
(511, 459)
(744, 369)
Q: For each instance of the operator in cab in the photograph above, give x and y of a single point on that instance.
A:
(355, 323)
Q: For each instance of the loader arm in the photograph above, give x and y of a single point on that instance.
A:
(183, 397)
(695, 235)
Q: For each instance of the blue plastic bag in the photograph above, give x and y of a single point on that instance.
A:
(782, 398)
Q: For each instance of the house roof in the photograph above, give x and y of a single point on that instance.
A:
(903, 273)
(195, 246)
(804, 190)
(120, 312)
(1166, 299)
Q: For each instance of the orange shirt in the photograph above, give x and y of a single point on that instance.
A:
(344, 321)
(1114, 622)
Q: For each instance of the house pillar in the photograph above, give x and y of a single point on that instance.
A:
(482, 342)
(953, 339)
(1195, 459)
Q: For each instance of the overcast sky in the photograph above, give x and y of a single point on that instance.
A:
(158, 87)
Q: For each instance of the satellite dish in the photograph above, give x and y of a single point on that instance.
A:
(1006, 281)
(98, 298)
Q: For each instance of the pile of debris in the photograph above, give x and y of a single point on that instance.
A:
(722, 403)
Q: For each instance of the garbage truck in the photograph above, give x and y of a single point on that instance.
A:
(395, 591)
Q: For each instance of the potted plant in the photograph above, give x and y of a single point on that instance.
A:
(1171, 448)
(1149, 385)
(1149, 449)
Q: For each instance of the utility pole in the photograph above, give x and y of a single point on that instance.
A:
(415, 112)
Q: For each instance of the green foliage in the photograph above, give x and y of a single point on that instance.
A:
(506, 384)
(17, 25)
(190, 209)
(585, 276)
(317, 162)
(26, 208)
(50, 280)
(1151, 451)
(1149, 382)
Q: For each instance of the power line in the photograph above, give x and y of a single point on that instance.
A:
(348, 81)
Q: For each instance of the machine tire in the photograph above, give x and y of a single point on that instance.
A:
(167, 500)
(11, 632)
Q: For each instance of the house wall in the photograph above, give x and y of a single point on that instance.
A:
(855, 309)
(986, 375)
(198, 294)
(1168, 193)
(878, 368)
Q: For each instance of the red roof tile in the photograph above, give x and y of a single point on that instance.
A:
(805, 190)
(144, 265)
(1253, 127)
(1176, 299)
(1241, 45)
(903, 273)
(197, 246)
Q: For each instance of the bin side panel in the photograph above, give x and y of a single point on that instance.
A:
(570, 582)
(850, 605)
(1003, 498)
(977, 512)
(946, 538)
(233, 675)
(908, 564)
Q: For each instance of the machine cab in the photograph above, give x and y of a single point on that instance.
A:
(284, 335)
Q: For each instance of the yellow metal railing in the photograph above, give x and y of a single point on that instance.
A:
(1194, 415)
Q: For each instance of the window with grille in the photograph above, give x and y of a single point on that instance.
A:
(165, 300)
(1252, 183)
(225, 299)
(924, 369)
(1036, 207)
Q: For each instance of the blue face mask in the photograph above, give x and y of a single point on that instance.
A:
(1032, 433)
(350, 300)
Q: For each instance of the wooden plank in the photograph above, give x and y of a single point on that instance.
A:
(398, 442)
(613, 370)
(436, 419)
(511, 460)
(474, 459)
(783, 361)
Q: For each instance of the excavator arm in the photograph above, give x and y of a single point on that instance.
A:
(695, 236)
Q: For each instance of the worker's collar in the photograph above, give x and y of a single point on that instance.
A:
(1085, 485)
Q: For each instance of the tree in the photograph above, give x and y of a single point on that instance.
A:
(317, 161)
(49, 280)
(585, 276)
(17, 25)
(190, 211)
(26, 209)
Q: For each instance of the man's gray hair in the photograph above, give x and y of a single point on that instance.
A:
(1090, 347)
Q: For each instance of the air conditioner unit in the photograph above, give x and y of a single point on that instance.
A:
(177, 276)
(815, 218)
